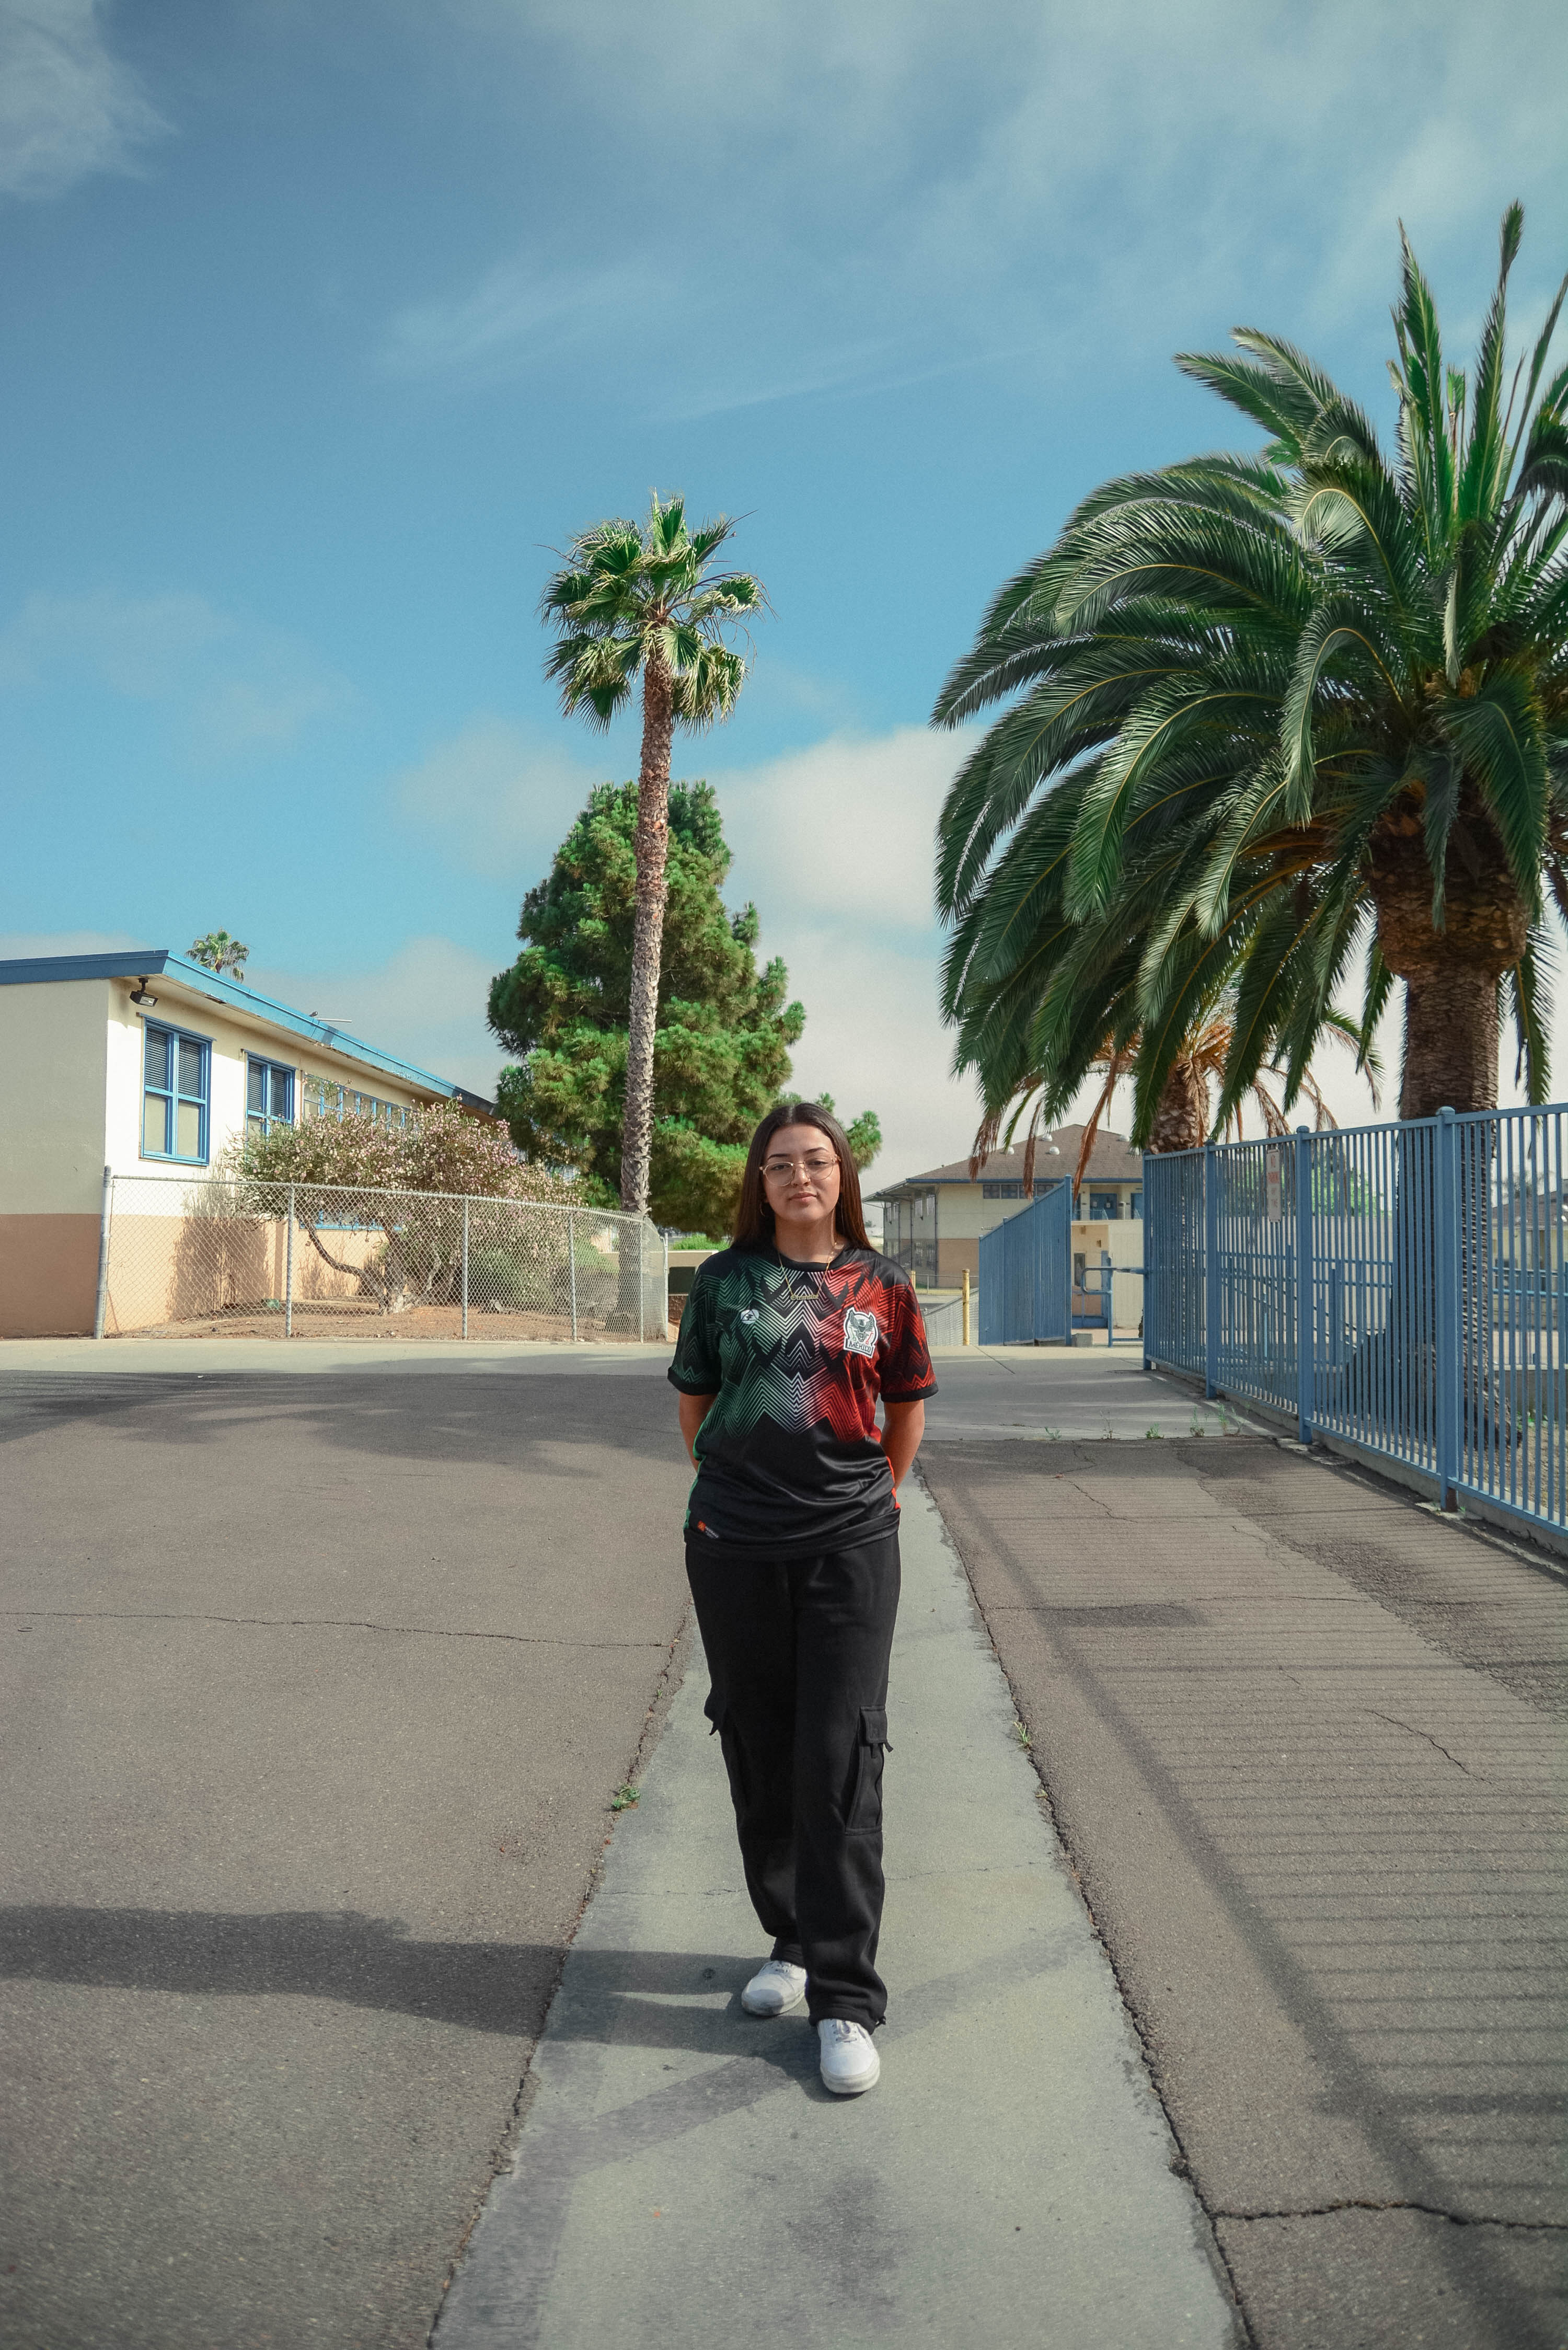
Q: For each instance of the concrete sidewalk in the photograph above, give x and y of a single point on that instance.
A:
(1305, 1741)
(682, 2177)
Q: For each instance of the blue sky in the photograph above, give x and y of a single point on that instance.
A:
(324, 325)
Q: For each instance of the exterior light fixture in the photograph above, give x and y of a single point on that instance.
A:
(139, 994)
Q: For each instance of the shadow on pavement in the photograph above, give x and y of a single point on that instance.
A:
(500, 1418)
(373, 1962)
(370, 1962)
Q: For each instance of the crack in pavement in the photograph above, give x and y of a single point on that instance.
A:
(1431, 2210)
(310, 1623)
(1394, 1720)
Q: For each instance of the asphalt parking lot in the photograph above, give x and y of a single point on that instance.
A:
(315, 1693)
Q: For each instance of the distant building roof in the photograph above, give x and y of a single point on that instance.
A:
(152, 962)
(1112, 1161)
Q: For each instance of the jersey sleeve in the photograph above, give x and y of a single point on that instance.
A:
(694, 1368)
(907, 1373)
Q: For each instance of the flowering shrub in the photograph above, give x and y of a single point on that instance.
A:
(446, 1149)
(349, 1172)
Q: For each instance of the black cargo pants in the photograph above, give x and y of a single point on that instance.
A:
(797, 1653)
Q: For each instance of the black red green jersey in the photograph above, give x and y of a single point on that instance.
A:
(794, 1356)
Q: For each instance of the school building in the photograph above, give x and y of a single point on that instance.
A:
(146, 1064)
(932, 1222)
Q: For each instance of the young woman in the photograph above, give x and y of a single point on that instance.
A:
(788, 1339)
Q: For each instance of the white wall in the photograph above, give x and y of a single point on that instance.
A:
(232, 1035)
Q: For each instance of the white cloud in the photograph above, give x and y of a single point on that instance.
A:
(17, 945)
(518, 313)
(239, 686)
(496, 793)
(836, 845)
(425, 1004)
(68, 107)
(885, 195)
(848, 826)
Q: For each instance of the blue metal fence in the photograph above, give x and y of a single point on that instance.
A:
(1401, 1287)
(1026, 1273)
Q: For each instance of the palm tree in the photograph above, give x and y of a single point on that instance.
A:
(1296, 705)
(217, 952)
(1182, 1114)
(646, 601)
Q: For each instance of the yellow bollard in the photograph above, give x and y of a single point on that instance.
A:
(966, 1305)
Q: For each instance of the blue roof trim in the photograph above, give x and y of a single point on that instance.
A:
(152, 962)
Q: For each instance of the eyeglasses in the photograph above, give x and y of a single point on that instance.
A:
(779, 1170)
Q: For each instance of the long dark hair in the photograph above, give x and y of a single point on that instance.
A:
(753, 1217)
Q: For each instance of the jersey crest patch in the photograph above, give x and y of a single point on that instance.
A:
(860, 1332)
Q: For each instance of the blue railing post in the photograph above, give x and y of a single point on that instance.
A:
(1305, 1287)
(1449, 1371)
(1210, 1269)
(1151, 1262)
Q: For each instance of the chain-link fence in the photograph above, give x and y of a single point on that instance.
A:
(236, 1258)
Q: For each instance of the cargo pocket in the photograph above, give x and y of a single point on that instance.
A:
(864, 1813)
(717, 1714)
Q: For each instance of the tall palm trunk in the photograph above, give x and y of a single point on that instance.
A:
(1450, 975)
(648, 936)
(1450, 1062)
(1181, 1120)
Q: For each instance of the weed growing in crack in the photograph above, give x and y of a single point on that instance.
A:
(624, 1797)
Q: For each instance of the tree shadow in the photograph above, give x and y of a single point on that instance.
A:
(503, 1418)
(374, 1962)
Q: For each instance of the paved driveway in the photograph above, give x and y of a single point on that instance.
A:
(315, 1694)
(1304, 1743)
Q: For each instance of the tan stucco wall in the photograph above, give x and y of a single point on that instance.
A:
(52, 1088)
(963, 1212)
(48, 1275)
(953, 1256)
(164, 1271)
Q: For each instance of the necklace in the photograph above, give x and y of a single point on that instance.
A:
(815, 1289)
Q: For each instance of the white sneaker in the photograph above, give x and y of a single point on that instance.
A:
(775, 1986)
(849, 2062)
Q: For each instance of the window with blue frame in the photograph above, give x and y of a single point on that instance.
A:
(1105, 1205)
(269, 1095)
(176, 1072)
(325, 1097)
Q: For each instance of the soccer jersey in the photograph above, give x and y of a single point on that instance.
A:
(794, 1356)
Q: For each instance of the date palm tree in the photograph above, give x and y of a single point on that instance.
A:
(1299, 704)
(1182, 1114)
(646, 601)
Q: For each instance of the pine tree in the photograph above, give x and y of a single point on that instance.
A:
(723, 1032)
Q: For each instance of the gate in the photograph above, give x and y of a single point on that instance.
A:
(1026, 1275)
